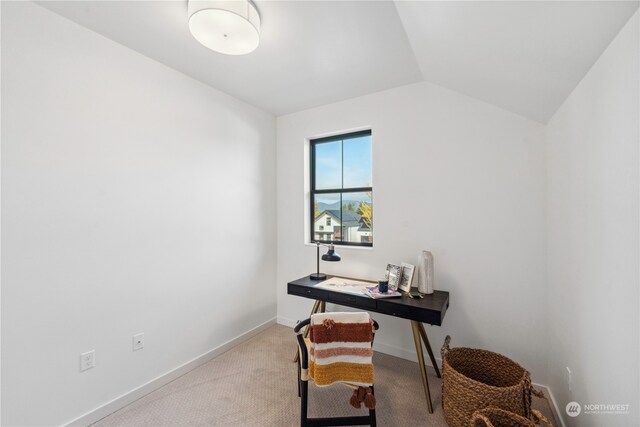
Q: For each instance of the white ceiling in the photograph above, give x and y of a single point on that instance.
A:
(525, 57)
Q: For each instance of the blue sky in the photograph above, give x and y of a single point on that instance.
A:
(357, 163)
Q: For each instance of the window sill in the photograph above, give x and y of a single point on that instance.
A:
(343, 247)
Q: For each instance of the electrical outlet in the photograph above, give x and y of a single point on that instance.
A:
(569, 379)
(87, 360)
(138, 341)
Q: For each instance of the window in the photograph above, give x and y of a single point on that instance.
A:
(341, 189)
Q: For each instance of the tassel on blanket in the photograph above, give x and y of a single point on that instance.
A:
(363, 394)
(354, 399)
(370, 399)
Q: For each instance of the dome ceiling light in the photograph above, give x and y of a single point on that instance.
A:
(231, 27)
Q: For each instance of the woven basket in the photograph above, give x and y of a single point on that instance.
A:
(474, 379)
(496, 417)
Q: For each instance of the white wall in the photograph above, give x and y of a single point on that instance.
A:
(593, 242)
(453, 175)
(117, 173)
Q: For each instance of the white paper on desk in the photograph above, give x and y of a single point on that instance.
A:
(347, 286)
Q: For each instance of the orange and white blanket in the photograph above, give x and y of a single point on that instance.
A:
(340, 348)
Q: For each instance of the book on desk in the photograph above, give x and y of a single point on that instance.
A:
(356, 287)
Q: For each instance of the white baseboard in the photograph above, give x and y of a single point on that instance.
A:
(286, 321)
(135, 394)
(554, 405)
(403, 353)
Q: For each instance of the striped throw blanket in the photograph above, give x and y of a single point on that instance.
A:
(340, 349)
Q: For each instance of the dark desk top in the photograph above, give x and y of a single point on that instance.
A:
(430, 309)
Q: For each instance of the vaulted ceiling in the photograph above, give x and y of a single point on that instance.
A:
(525, 57)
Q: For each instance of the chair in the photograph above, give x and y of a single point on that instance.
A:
(324, 363)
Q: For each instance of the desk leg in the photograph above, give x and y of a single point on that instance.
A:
(428, 346)
(317, 306)
(415, 328)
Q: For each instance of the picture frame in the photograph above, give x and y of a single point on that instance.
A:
(393, 274)
(406, 279)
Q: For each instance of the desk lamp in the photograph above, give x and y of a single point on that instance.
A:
(331, 255)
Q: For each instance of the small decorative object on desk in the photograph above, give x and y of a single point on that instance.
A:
(383, 286)
(376, 294)
(416, 294)
(393, 275)
(425, 274)
(407, 277)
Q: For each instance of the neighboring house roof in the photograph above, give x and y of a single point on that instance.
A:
(349, 219)
(364, 227)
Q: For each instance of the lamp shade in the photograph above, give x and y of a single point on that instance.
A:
(231, 27)
(331, 255)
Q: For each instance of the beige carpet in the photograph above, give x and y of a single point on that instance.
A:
(254, 384)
